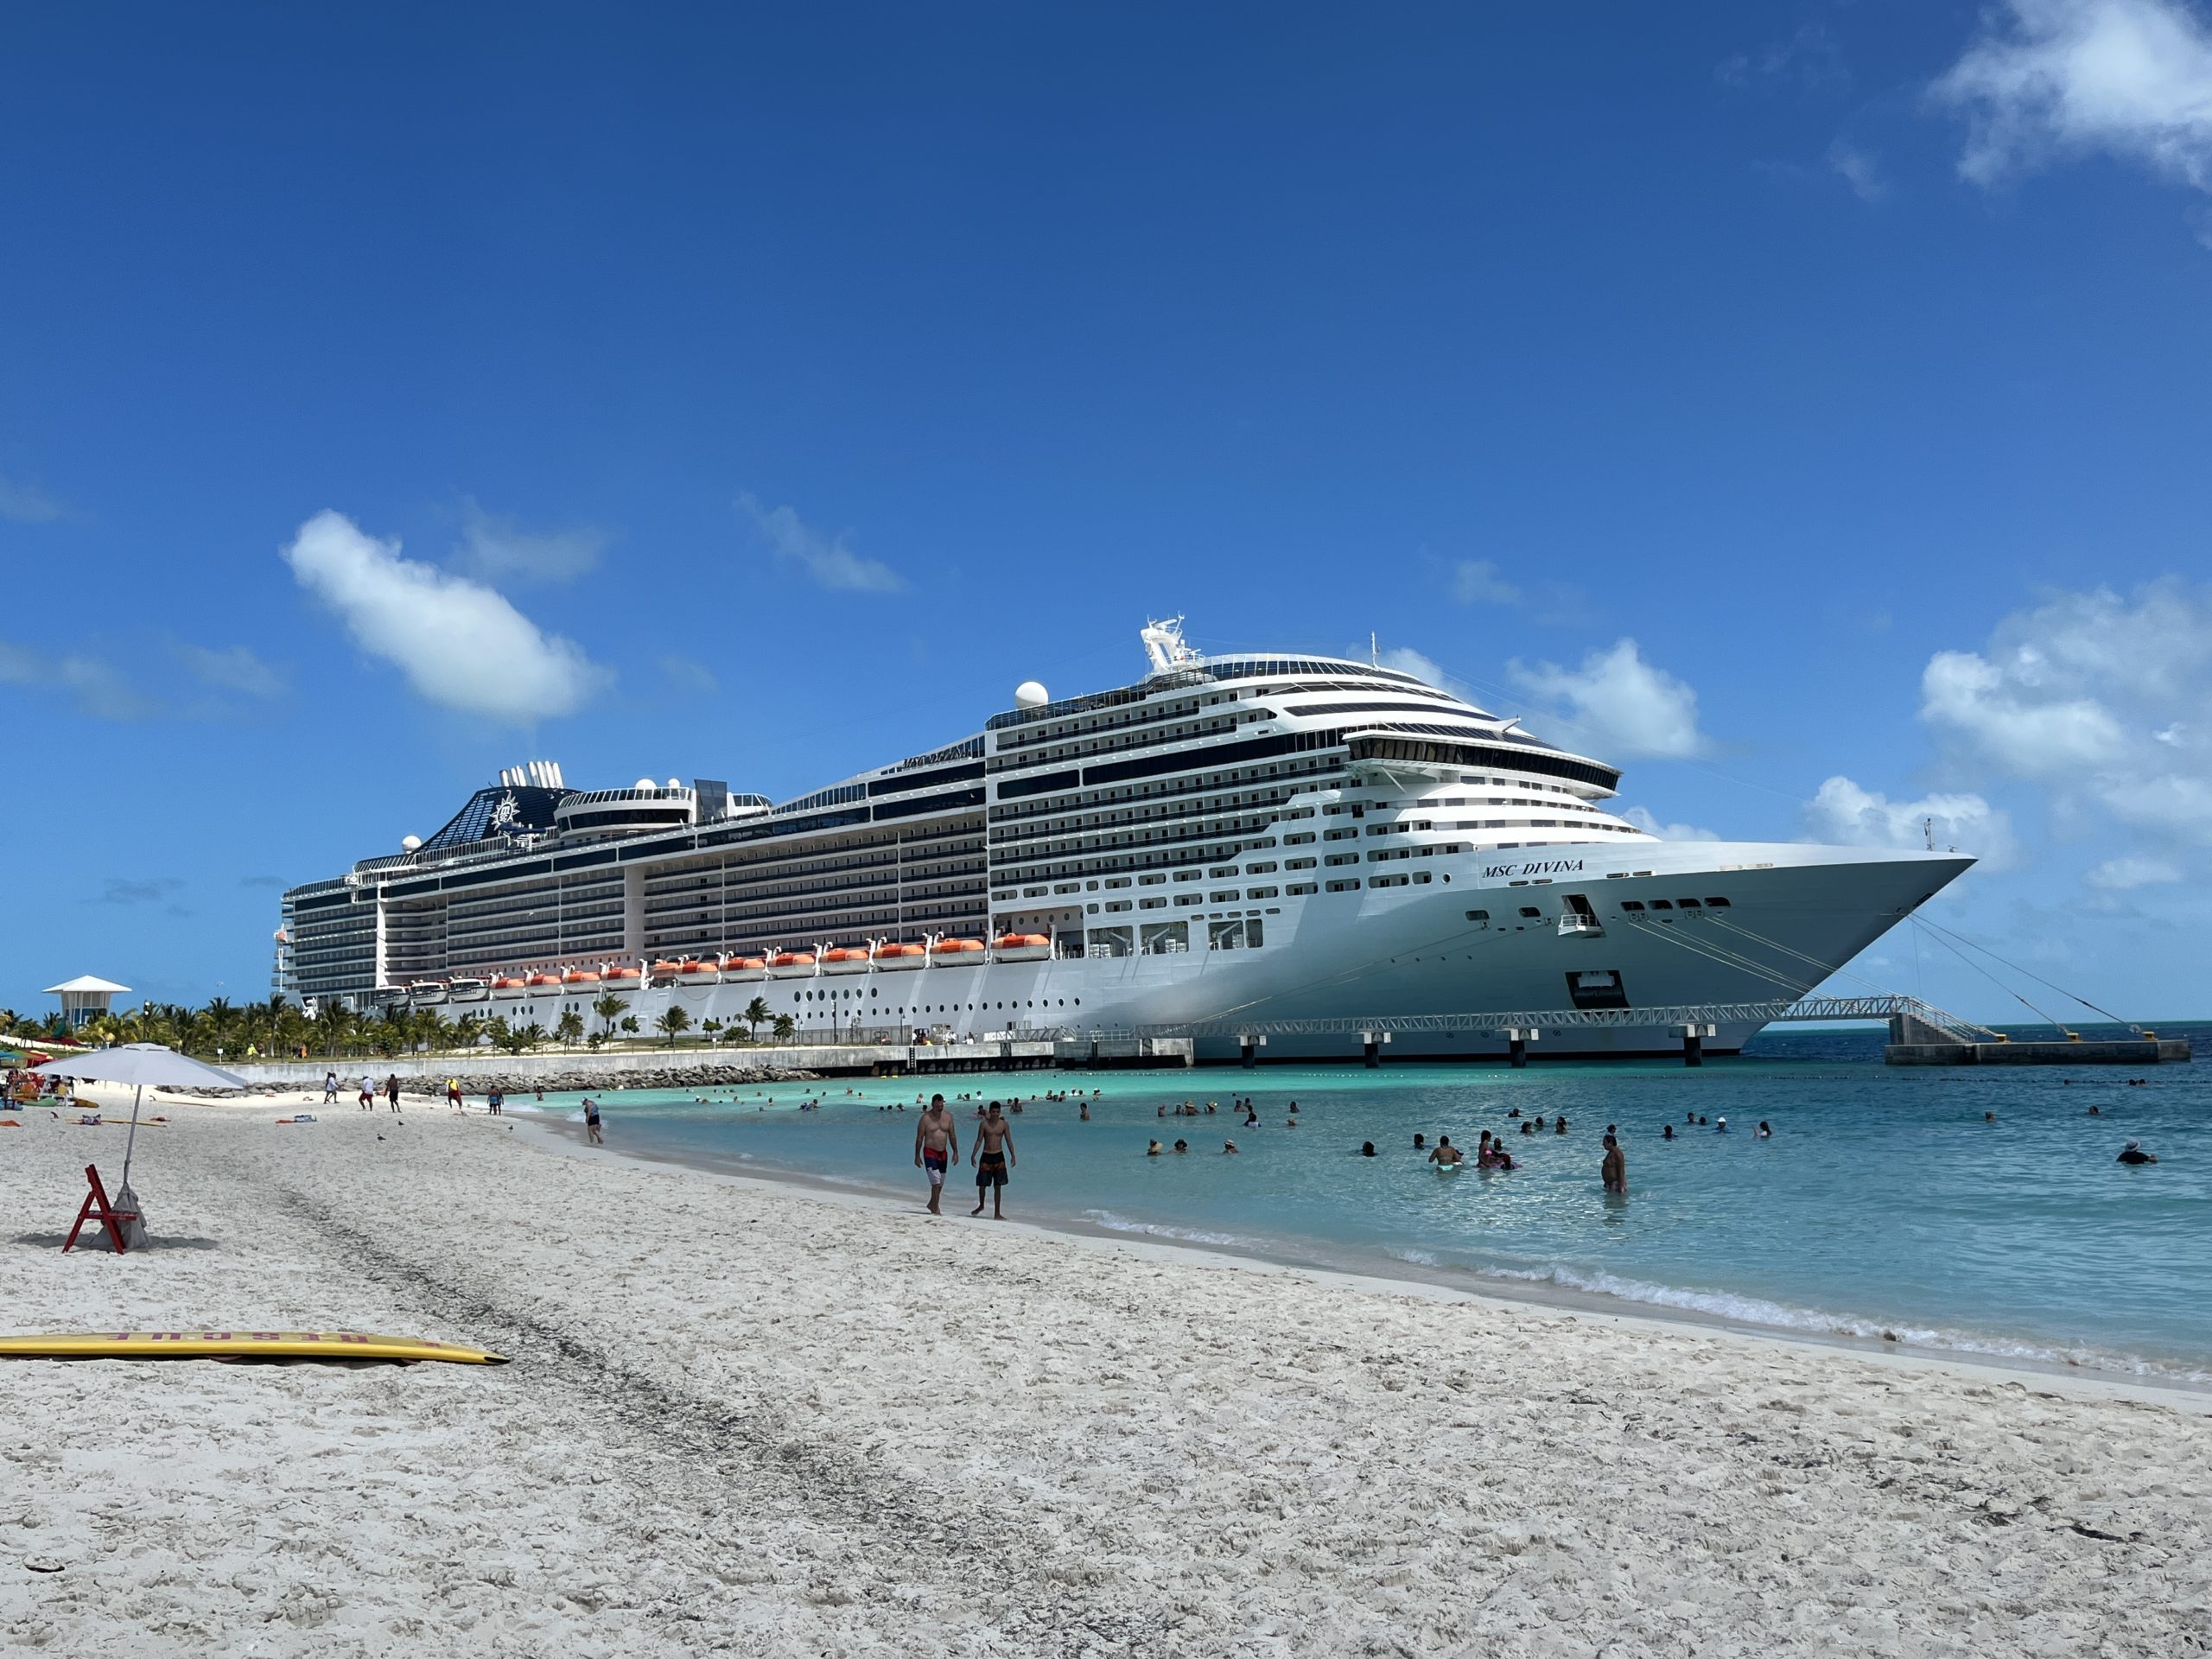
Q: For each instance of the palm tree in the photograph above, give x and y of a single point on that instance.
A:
(673, 1023)
(714, 1030)
(609, 1009)
(756, 1014)
(531, 1035)
(568, 1028)
(630, 1024)
(784, 1026)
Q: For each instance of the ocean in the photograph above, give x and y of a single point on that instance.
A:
(1883, 1204)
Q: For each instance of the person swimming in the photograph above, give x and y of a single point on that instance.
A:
(1229, 1146)
(1419, 1140)
(1445, 1153)
(2132, 1153)
(1527, 1128)
(1666, 1133)
(1153, 1150)
(1182, 1146)
(1558, 1126)
(1721, 1128)
(1762, 1133)
(1367, 1148)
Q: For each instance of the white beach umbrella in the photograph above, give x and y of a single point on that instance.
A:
(139, 1063)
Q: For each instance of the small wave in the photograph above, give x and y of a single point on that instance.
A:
(1419, 1258)
(1757, 1310)
(1113, 1222)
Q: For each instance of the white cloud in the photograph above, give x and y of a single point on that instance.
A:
(1617, 706)
(1808, 61)
(27, 504)
(2117, 874)
(235, 670)
(495, 547)
(1843, 814)
(98, 689)
(688, 676)
(2093, 696)
(459, 643)
(2048, 78)
(827, 560)
(1406, 660)
(1644, 819)
(1857, 168)
(1477, 581)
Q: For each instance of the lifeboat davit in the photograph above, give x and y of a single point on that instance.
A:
(1021, 947)
(743, 970)
(841, 961)
(957, 953)
(791, 964)
(892, 957)
(620, 978)
(579, 981)
(505, 987)
(544, 985)
(695, 972)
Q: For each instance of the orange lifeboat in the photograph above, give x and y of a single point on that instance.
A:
(542, 985)
(957, 953)
(841, 961)
(664, 973)
(620, 978)
(791, 964)
(1021, 947)
(504, 987)
(892, 957)
(695, 972)
(743, 970)
(579, 981)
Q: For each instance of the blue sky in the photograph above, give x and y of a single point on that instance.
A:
(1801, 406)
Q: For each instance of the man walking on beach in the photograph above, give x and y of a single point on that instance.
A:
(1614, 1170)
(937, 1143)
(330, 1088)
(368, 1093)
(591, 1124)
(992, 1157)
(391, 1091)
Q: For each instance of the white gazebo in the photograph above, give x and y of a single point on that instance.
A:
(84, 997)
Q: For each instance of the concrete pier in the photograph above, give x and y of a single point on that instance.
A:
(2145, 1051)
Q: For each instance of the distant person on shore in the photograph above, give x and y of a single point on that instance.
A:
(330, 1088)
(1445, 1153)
(391, 1091)
(992, 1157)
(1613, 1172)
(937, 1143)
(368, 1093)
(591, 1122)
(453, 1093)
(2132, 1153)
(493, 1100)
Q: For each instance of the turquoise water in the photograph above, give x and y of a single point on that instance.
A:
(1884, 1202)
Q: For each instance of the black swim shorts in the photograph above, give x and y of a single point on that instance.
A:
(990, 1169)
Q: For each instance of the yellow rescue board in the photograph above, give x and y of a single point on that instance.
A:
(237, 1344)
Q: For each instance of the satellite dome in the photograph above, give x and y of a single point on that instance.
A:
(410, 843)
(1031, 693)
(672, 784)
(643, 782)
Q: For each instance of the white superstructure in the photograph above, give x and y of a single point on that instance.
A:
(1250, 838)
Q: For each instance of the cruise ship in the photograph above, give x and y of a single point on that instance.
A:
(1230, 844)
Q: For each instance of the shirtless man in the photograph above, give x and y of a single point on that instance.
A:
(993, 1156)
(1613, 1172)
(937, 1143)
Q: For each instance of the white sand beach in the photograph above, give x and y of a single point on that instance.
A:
(748, 1418)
